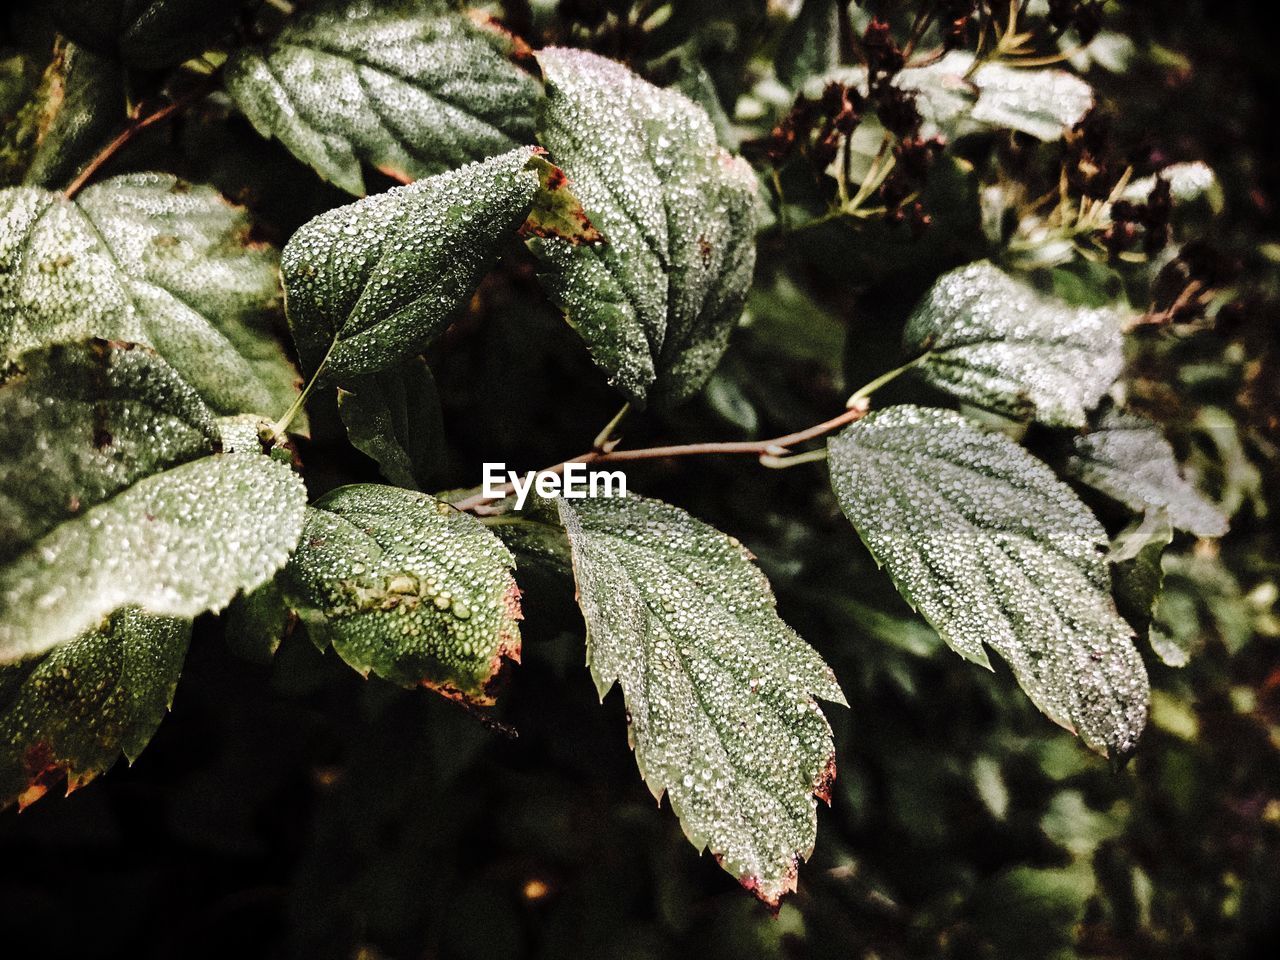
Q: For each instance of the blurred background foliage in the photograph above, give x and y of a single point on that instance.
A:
(294, 810)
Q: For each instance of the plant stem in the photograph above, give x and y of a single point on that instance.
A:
(280, 426)
(605, 436)
(136, 126)
(859, 397)
(774, 448)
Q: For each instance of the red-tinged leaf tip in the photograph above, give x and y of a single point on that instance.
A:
(557, 211)
(822, 788)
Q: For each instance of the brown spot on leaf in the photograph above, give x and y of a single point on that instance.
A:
(822, 788)
(43, 770)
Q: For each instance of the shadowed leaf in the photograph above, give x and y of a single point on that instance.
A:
(71, 712)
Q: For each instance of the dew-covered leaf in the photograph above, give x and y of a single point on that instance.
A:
(994, 340)
(67, 118)
(70, 713)
(657, 300)
(405, 586)
(115, 495)
(410, 87)
(81, 422)
(720, 692)
(1127, 457)
(148, 259)
(993, 550)
(176, 543)
(394, 417)
(151, 34)
(1137, 571)
(372, 283)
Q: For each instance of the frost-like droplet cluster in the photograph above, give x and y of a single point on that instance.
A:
(372, 283)
(656, 302)
(992, 549)
(405, 586)
(995, 341)
(720, 692)
(411, 88)
(147, 259)
(73, 711)
(1127, 457)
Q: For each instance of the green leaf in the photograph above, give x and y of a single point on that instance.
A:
(1126, 457)
(73, 711)
(372, 283)
(89, 420)
(1137, 572)
(719, 691)
(67, 118)
(148, 259)
(151, 34)
(394, 417)
(256, 623)
(115, 495)
(994, 340)
(1044, 104)
(409, 87)
(811, 43)
(992, 549)
(656, 302)
(404, 586)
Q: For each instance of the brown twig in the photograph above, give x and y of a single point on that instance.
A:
(136, 126)
(759, 448)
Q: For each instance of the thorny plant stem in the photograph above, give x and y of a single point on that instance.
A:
(135, 127)
(775, 452)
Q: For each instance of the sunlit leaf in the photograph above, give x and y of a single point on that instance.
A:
(993, 550)
(994, 340)
(372, 283)
(116, 495)
(720, 692)
(1127, 457)
(656, 301)
(411, 88)
(148, 259)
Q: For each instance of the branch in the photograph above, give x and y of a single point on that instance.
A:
(135, 127)
(758, 448)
